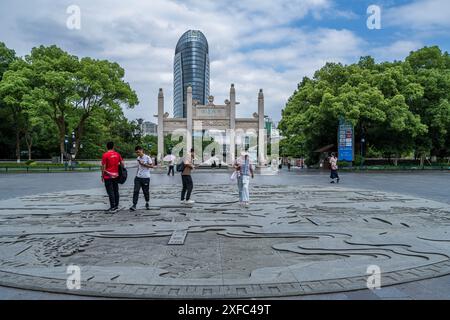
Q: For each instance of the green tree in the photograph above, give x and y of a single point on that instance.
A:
(85, 96)
(33, 129)
(7, 56)
(430, 68)
(372, 97)
(99, 85)
(14, 86)
(51, 73)
(150, 143)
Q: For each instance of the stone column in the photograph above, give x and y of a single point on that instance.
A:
(160, 126)
(232, 131)
(261, 131)
(189, 119)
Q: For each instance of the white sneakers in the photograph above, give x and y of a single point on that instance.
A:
(187, 201)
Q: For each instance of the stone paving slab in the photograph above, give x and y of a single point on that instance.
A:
(292, 241)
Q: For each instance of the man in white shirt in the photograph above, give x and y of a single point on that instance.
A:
(142, 179)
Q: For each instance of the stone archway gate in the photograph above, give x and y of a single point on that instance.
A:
(212, 116)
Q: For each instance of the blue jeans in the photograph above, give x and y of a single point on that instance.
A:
(243, 187)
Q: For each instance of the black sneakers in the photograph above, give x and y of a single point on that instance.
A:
(147, 207)
(112, 210)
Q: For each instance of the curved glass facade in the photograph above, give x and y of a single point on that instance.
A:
(191, 67)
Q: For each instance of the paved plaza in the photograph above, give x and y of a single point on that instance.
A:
(301, 237)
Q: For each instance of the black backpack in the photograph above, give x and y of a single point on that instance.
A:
(123, 175)
(180, 166)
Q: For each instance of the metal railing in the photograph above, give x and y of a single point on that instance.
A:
(397, 168)
(30, 169)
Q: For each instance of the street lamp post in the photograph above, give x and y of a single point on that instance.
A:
(66, 141)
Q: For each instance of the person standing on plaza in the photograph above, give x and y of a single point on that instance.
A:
(289, 164)
(171, 162)
(188, 185)
(142, 180)
(334, 168)
(111, 160)
(244, 171)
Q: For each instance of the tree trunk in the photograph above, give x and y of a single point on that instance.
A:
(29, 152)
(15, 114)
(18, 145)
(77, 145)
(62, 135)
(29, 141)
(79, 132)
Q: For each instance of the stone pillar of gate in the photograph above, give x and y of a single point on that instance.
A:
(261, 130)
(189, 119)
(160, 130)
(232, 131)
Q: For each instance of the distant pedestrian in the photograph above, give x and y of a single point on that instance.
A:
(171, 162)
(289, 165)
(334, 168)
(244, 171)
(142, 180)
(111, 160)
(185, 166)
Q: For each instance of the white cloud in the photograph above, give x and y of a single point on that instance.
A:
(424, 15)
(398, 50)
(254, 43)
(141, 36)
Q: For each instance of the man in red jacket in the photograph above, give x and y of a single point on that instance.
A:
(111, 161)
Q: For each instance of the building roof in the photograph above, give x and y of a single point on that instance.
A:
(192, 36)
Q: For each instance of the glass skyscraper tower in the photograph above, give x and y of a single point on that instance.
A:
(191, 68)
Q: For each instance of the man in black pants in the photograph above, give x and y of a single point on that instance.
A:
(171, 166)
(111, 161)
(142, 180)
(188, 185)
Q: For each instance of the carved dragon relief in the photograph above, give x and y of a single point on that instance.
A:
(351, 229)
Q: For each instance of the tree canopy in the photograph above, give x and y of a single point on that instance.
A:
(400, 107)
(50, 94)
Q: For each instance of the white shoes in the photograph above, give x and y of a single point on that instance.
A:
(187, 201)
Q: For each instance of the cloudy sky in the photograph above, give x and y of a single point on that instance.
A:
(253, 43)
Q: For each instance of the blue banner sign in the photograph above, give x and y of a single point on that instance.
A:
(345, 140)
